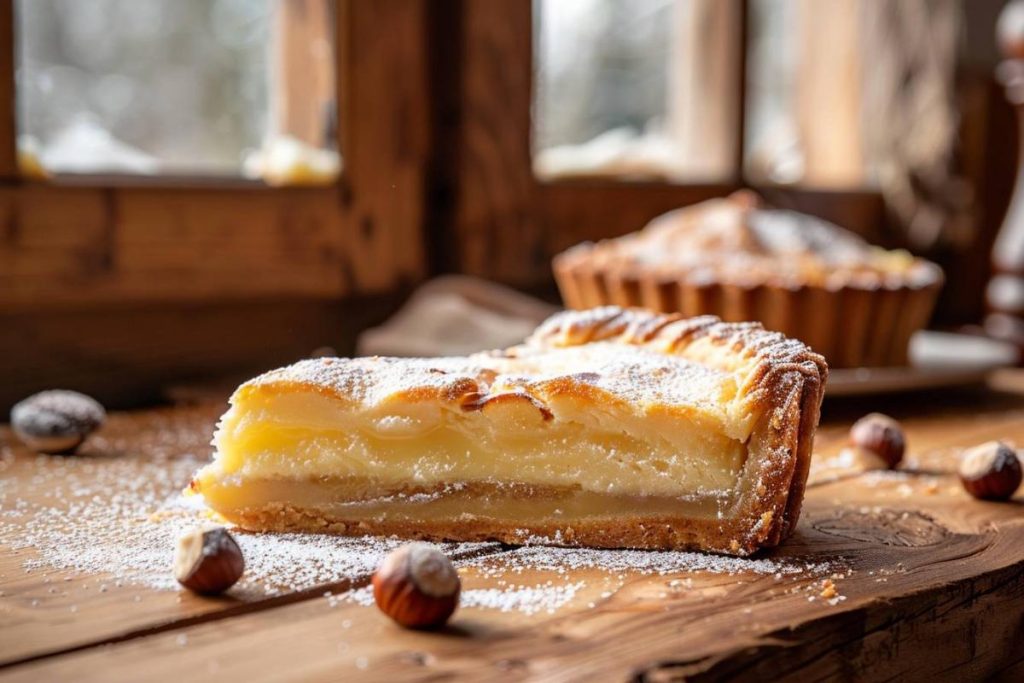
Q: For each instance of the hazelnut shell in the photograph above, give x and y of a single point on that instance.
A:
(991, 471)
(208, 560)
(881, 435)
(56, 421)
(417, 586)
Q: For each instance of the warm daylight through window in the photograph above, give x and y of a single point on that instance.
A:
(635, 88)
(95, 80)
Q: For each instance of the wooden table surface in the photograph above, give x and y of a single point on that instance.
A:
(927, 582)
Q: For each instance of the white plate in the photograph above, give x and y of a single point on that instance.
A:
(937, 360)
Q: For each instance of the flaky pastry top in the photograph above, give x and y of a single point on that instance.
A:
(607, 358)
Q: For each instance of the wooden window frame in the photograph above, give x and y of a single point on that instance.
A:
(107, 239)
(118, 285)
(509, 223)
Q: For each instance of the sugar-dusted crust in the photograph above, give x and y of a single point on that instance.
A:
(784, 383)
(854, 303)
(777, 388)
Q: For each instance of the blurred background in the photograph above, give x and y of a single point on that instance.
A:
(202, 189)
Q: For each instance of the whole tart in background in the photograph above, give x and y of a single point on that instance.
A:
(852, 302)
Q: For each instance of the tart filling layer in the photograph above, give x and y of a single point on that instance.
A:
(605, 428)
(290, 437)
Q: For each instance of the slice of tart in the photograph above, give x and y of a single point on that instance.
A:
(608, 428)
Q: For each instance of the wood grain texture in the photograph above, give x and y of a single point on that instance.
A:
(579, 211)
(45, 609)
(582, 210)
(828, 99)
(65, 247)
(916, 561)
(939, 583)
(705, 68)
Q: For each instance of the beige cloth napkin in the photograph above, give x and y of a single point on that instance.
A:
(455, 315)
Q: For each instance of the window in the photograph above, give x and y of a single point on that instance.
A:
(177, 87)
(156, 209)
(838, 95)
(635, 88)
(805, 93)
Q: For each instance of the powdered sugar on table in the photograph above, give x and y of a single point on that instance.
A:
(114, 513)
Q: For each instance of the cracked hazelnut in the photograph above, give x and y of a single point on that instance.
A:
(881, 435)
(417, 586)
(990, 471)
(56, 421)
(208, 560)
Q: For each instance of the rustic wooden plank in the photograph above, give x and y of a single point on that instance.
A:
(828, 93)
(589, 210)
(147, 458)
(914, 557)
(76, 246)
(706, 87)
(578, 211)
(37, 599)
(935, 574)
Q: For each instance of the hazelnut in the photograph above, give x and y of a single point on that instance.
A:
(417, 586)
(208, 560)
(990, 471)
(881, 435)
(56, 421)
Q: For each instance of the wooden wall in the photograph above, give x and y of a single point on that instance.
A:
(120, 286)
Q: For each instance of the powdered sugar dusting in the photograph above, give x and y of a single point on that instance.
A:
(633, 358)
(114, 513)
(565, 560)
(512, 583)
(525, 599)
(629, 372)
(122, 519)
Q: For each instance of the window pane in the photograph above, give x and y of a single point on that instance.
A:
(152, 86)
(635, 88)
(851, 93)
(804, 94)
(772, 151)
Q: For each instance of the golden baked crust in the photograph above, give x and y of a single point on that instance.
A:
(784, 382)
(766, 389)
(854, 303)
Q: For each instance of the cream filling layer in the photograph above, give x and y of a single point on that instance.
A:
(305, 436)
